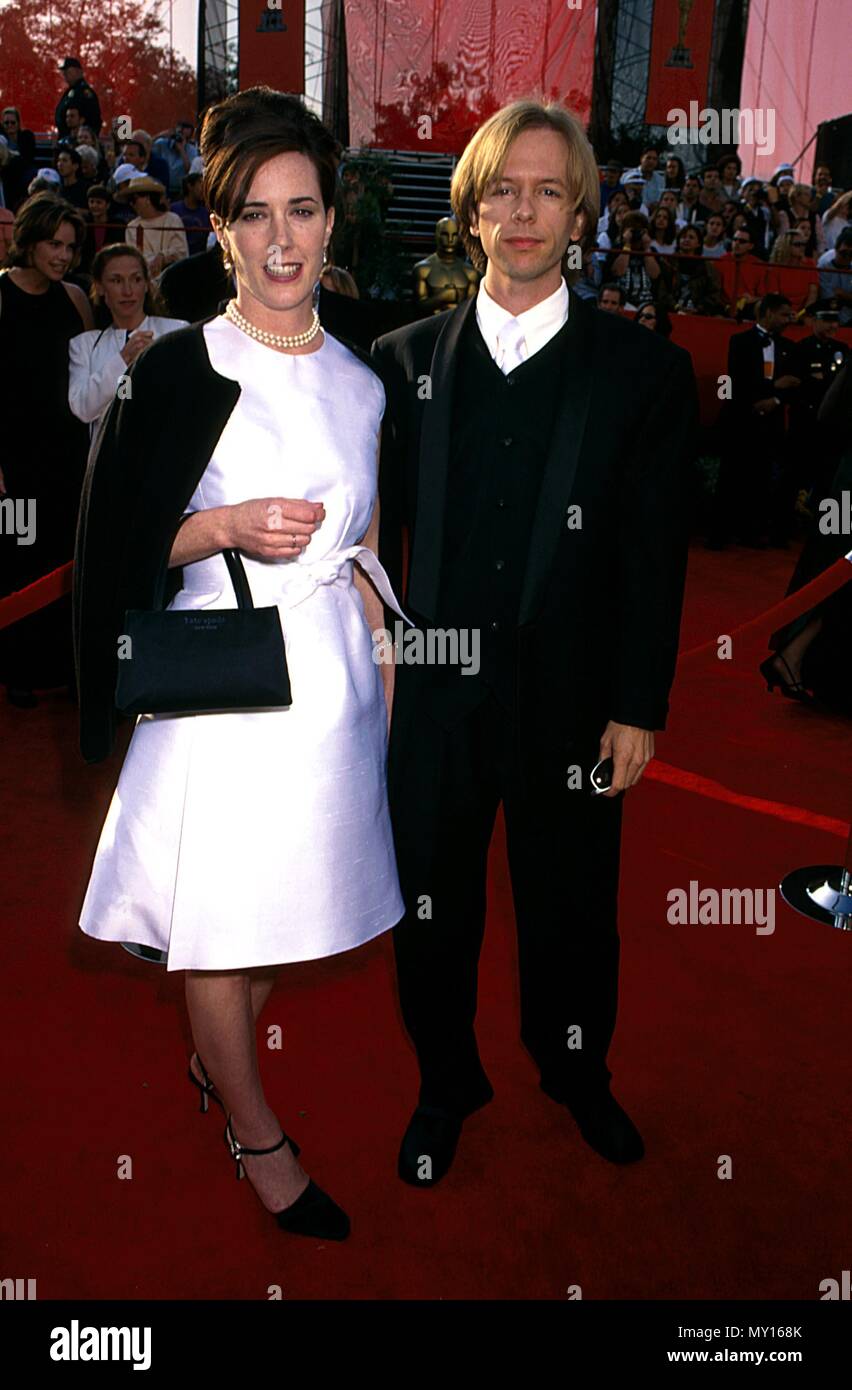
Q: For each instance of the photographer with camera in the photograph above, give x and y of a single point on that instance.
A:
(177, 149)
(635, 267)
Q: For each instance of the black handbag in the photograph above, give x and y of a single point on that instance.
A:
(203, 661)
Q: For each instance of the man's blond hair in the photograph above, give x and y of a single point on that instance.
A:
(485, 156)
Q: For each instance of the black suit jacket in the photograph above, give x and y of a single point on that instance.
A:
(745, 368)
(600, 607)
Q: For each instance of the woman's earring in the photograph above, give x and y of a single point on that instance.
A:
(226, 258)
(324, 257)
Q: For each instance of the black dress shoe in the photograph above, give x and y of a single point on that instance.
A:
(606, 1128)
(429, 1144)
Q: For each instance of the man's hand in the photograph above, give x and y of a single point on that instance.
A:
(631, 750)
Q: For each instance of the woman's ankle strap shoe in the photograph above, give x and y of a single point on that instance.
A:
(313, 1213)
(237, 1149)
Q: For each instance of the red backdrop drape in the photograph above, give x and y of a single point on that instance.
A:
(457, 60)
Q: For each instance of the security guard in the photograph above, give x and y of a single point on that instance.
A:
(78, 94)
(815, 362)
(817, 359)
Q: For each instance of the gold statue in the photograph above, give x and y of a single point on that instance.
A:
(680, 56)
(684, 6)
(441, 281)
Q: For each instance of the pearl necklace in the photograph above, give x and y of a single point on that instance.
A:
(275, 340)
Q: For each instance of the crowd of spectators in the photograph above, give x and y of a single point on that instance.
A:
(761, 237)
(93, 230)
(128, 185)
(689, 240)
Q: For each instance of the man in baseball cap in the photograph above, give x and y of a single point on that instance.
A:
(77, 93)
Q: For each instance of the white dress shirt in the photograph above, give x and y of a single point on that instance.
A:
(767, 342)
(96, 365)
(540, 323)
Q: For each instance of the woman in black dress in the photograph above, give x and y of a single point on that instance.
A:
(812, 653)
(44, 446)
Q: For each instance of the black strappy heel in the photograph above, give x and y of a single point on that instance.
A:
(313, 1213)
(206, 1087)
(793, 689)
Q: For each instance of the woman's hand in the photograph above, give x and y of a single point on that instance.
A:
(266, 528)
(136, 343)
(273, 528)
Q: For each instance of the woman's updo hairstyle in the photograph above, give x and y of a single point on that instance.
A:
(244, 131)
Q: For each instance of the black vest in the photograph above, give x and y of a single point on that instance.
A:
(500, 434)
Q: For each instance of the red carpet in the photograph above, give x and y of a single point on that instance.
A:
(729, 1043)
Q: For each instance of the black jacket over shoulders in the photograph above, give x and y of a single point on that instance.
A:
(145, 463)
(600, 608)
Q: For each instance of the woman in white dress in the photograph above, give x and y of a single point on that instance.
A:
(239, 841)
(99, 359)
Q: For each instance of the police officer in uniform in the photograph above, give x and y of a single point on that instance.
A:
(78, 93)
(815, 362)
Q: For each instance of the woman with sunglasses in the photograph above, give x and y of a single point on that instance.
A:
(795, 274)
(655, 316)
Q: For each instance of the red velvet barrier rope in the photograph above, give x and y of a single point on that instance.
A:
(36, 595)
(780, 614)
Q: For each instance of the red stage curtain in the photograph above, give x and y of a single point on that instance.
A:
(272, 45)
(456, 61)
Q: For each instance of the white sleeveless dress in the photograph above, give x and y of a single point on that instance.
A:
(246, 839)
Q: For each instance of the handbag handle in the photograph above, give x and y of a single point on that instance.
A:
(236, 571)
(239, 578)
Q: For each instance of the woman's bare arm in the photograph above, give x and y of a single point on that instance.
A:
(265, 528)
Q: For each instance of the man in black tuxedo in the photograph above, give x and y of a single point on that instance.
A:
(538, 453)
(753, 494)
